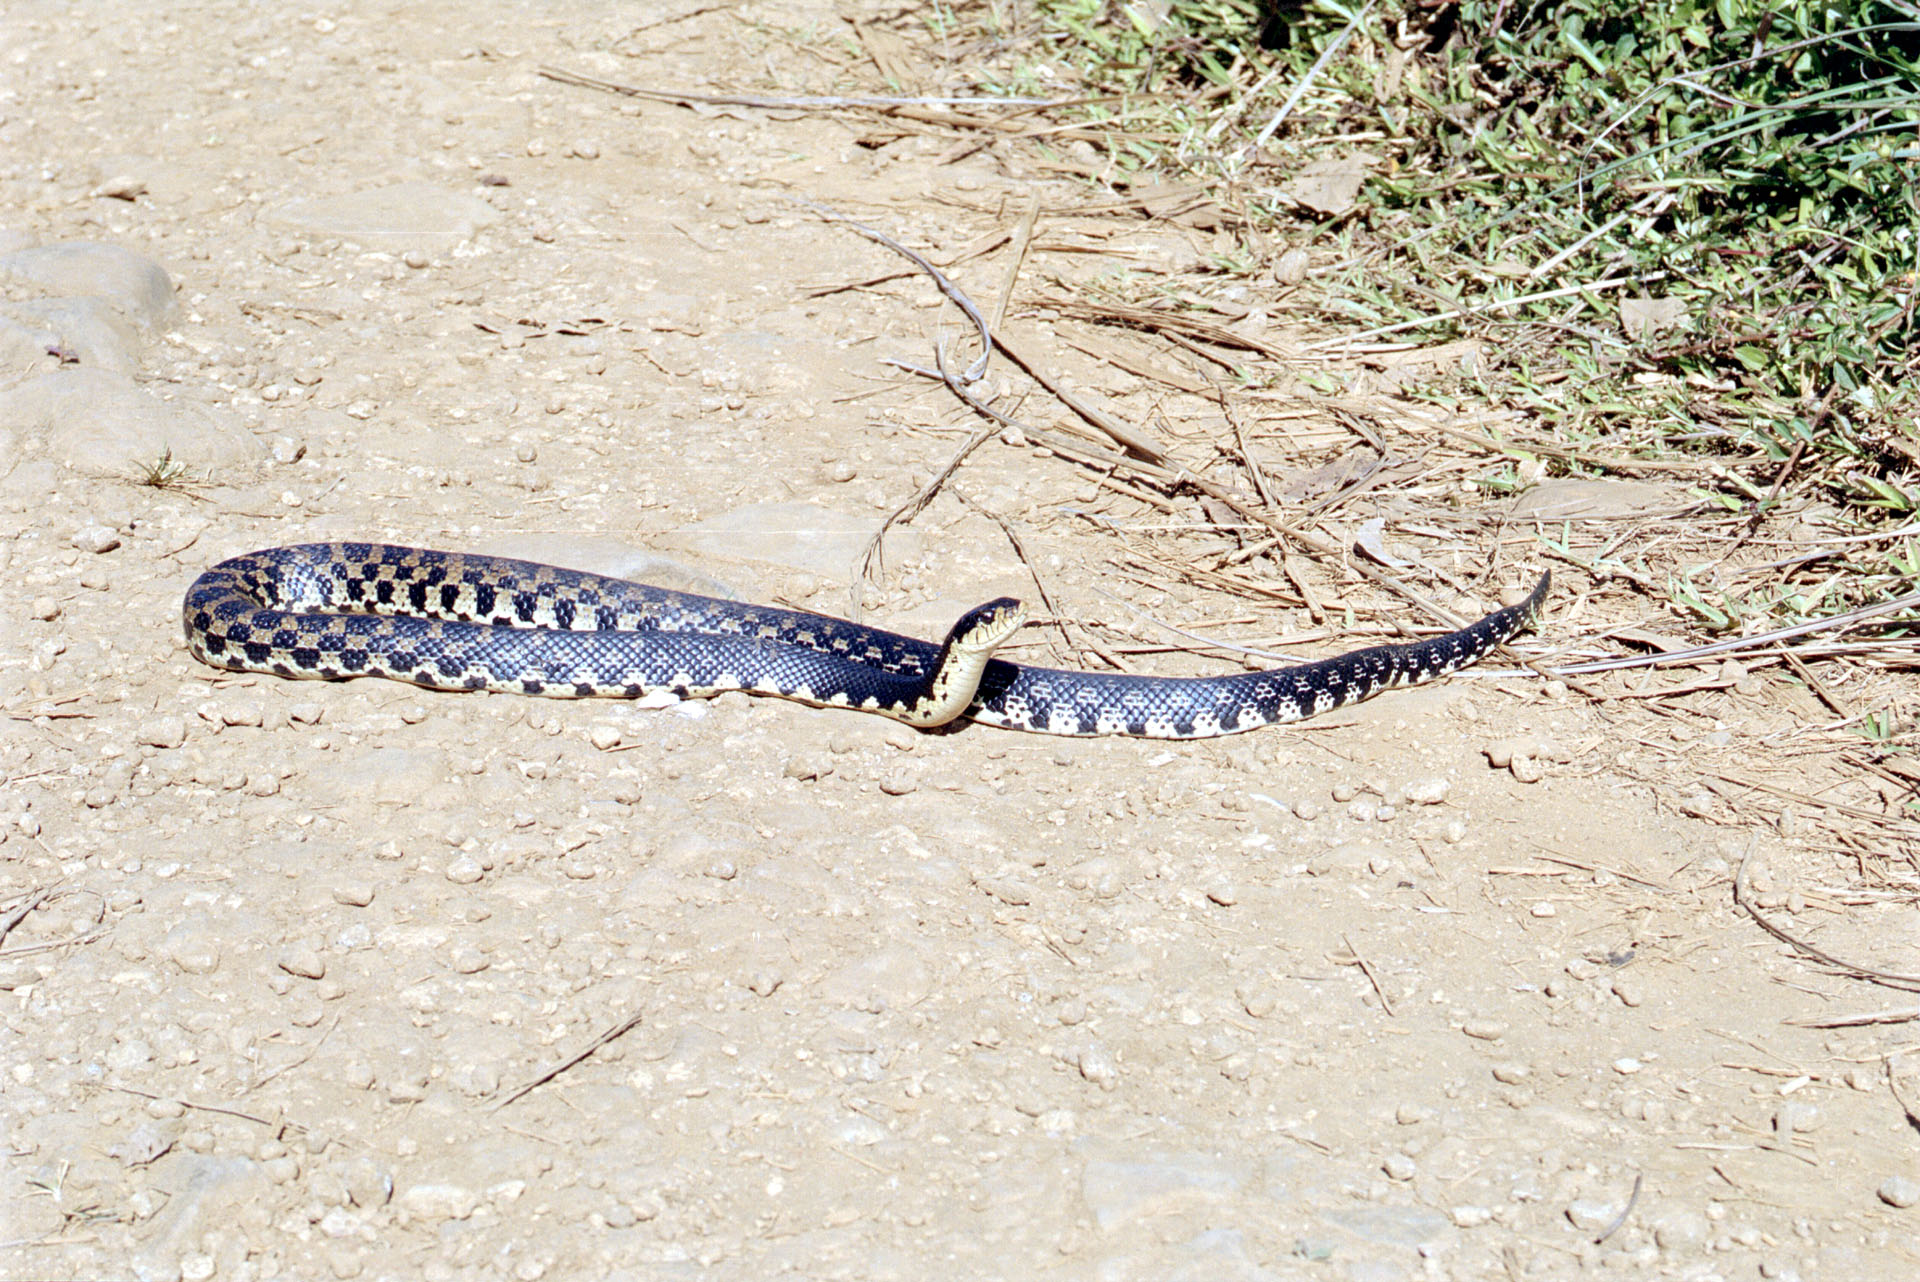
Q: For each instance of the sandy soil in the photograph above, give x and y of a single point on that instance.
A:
(1337, 1001)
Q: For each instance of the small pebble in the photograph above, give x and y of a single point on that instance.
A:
(1680, 1230)
(354, 892)
(96, 538)
(604, 737)
(439, 1202)
(1899, 1191)
(1471, 1217)
(1098, 1066)
(127, 187)
(898, 785)
(464, 870)
(1400, 1168)
(1589, 1214)
(304, 962)
(1485, 1030)
(193, 949)
(469, 961)
(367, 1183)
(1511, 1074)
(1627, 1066)
(45, 609)
(1628, 990)
(166, 731)
(808, 764)
(1544, 909)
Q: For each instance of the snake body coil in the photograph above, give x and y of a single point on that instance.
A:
(453, 621)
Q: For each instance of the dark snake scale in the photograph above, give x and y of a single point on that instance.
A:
(453, 621)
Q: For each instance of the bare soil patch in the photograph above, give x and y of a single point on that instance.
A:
(1449, 985)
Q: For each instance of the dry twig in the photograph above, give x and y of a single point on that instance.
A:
(1744, 899)
(617, 1031)
(1620, 1220)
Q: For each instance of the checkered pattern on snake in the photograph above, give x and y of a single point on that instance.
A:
(454, 621)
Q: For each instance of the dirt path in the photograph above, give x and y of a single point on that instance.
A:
(1344, 1001)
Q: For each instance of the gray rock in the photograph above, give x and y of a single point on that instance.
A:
(27, 347)
(412, 215)
(136, 286)
(193, 946)
(1217, 1255)
(104, 424)
(433, 1202)
(1408, 1226)
(1126, 1192)
(1680, 1230)
(1899, 1191)
(89, 332)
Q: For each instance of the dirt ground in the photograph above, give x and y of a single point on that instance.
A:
(1358, 999)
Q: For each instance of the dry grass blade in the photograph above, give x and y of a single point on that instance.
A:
(19, 914)
(1743, 897)
(1489, 309)
(803, 102)
(1758, 641)
(869, 556)
(1170, 323)
(1125, 435)
(617, 1031)
(956, 295)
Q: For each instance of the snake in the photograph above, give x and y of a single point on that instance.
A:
(463, 621)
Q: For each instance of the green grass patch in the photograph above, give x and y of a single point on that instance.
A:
(1685, 228)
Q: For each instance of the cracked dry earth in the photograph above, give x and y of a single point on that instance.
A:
(1334, 1001)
